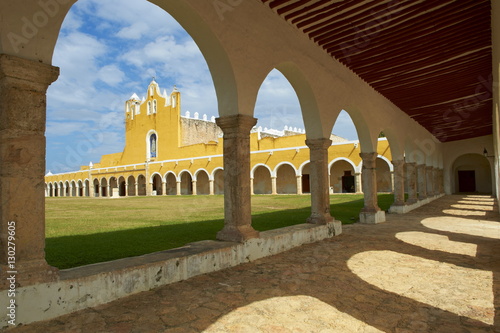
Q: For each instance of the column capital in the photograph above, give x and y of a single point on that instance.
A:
(32, 72)
(315, 144)
(369, 160)
(239, 124)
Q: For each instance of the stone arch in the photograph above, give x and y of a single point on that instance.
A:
(304, 172)
(171, 180)
(67, 189)
(86, 188)
(72, 190)
(156, 184)
(104, 187)
(131, 192)
(113, 187)
(61, 189)
(471, 173)
(79, 187)
(396, 144)
(218, 177)
(186, 180)
(202, 182)
(141, 185)
(342, 175)
(366, 142)
(286, 178)
(262, 183)
(384, 172)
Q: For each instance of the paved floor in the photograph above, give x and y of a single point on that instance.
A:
(435, 269)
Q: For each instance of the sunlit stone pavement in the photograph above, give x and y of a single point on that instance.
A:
(435, 269)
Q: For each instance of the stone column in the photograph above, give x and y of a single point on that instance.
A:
(429, 181)
(178, 189)
(163, 187)
(211, 186)
(251, 187)
(318, 173)
(422, 182)
(273, 185)
(110, 191)
(237, 194)
(136, 185)
(299, 184)
(399, 183)
(23, 87)
(195, 190)
(358, 182)
(411, 178)
(371, 212)
(126, 189)
(84, 191)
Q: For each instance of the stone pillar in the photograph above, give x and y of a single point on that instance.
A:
(429, 181)
(251, 187)
(299, 184)
(422, 182)
(149, 188)
(98, 190)
(126, 189)
(178, 189)
(357, 183)
(237, 194)
(23, 87)
(63, 191)
(411, 178)
(84, 191)
(163, 187)
(136, 184)
(195, 190)
(273, 185)
(371, 212)
(318, 173)
(211, 186)
(399, 182)
(110, 191)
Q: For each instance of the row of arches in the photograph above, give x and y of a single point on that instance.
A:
(285, 178)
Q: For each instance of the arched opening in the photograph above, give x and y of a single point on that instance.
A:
(384, 178)
(286, 179)
(80, 189)
(171, 184)
(306, 182)
(471, 173)
(141, 185)
(72, 189)
(262, 183)
(342, 177)
(157, 185)
(104, 188)
(186, 183)
(67, 189)
(344, 127)
(219, 181)
(131, 186)
(51, 190)
(96, 187)
(277, 107)
(87, 188)
(152, 145)
(202, 183)
(121, 186)
(113, 187)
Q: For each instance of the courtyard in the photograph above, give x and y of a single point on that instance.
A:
(431, 270)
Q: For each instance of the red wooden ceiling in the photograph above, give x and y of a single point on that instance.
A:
(431, 58)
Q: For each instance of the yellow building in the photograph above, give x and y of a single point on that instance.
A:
(169, 154)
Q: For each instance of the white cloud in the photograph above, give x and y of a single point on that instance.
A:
(134, 31)
(111, 75)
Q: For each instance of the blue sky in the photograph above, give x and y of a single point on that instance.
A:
(108, 50)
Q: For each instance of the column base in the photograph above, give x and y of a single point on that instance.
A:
(320, 219)
(28, 273)
(398, 209)
(237, 233)
(372, 217)
(334, 228)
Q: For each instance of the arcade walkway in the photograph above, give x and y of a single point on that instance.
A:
(436, 269)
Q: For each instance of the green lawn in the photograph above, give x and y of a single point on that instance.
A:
(83, 231)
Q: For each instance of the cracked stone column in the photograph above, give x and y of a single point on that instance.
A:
(237, 191)
(429, 181)
(411, 178)
(371, 212)
(399, 187)
(23, 87)
(320, 184)
(299, 184)
(422, 182)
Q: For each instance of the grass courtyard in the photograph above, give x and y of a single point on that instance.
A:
(83, 231)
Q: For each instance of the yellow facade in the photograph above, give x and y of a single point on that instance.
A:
(156, 162)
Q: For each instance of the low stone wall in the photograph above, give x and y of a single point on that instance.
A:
(408, 208)
(92, 285)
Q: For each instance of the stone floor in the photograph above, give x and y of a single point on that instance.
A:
(435, 269)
